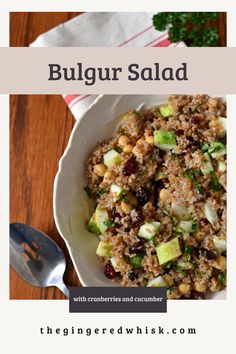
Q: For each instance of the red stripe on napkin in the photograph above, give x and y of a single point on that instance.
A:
(135, 36)
(69, 98)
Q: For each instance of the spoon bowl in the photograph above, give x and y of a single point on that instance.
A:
(36, 257)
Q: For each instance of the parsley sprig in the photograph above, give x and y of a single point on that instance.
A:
(196, 29)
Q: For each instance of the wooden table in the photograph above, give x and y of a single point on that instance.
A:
(39, 131)
(40, 126)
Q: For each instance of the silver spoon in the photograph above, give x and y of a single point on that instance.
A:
(36, 257)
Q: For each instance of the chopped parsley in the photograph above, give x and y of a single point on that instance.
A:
(192, 174)
(109, 223)
(195, 225)
(118, 149)
(222, 278)
(215, 182)
(188, 250)
(101, 191)
(125, 198)
(178, 269)
(194, 110)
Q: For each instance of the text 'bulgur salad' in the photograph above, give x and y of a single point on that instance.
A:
(160, 191)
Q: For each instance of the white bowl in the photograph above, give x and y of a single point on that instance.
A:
(71, 207)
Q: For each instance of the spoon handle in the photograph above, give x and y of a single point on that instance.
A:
(63, 288)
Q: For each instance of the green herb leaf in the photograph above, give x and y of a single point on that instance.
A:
(101, 191)
(188, 249)
(178, 269)
(118, 149)
(109, 223)
(215, 182)
(195, 225)
(222, 278)
(191, 174)
(125, 198)
(166, 212)
(196, 29)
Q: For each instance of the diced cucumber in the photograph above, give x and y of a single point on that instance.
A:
(149, 229)
(188, 226)
(111, 158)
(104, 249)
(223, 125)
(168, 251)
(206, 167)
(210, 213)
(158, 282)
(221, 166)
(159, 175)
(101, 218)
(136, 261)
(166, 110)
(220, 244)
(92, 226)
(117, 191)
(179, 210)
(114, 264)
(217, 150)
(164, 140)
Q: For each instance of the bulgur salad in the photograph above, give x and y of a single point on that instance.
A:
(159, 186)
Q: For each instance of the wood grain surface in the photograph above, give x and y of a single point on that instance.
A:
(40, 126)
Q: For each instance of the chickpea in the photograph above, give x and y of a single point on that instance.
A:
(123, 140)
(220, 263)
(198, 236)
(126, 207)
(140, 141)
(163, 194)
(109, 176)
(200, 287)
(136, 151)
(100, 169)
(184, 288)
(213, 102)
(150, 139)
(168, 278)
(128, 148)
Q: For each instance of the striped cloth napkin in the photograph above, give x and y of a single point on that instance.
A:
(103, 29)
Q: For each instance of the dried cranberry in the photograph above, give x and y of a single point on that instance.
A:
(113, 230)
(196, 252)
(138, 219)
(207, 253)
(194, 119)
(179, 132)
(109, 271)
(130, 167)
(192, 143)
(196, 295)
(115, 213)
(143, 195)
(203, 222)
(161, 154)
(137, 247)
